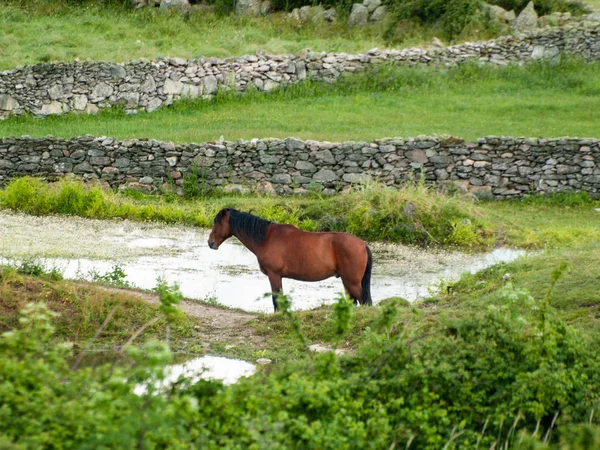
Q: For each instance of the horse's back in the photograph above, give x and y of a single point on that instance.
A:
(334, 238)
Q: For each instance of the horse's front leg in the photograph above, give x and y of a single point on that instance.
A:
(276, 288)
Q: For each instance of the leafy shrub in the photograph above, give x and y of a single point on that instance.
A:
(543, 7)
(514, 376)
(414, 214)
(451, 17)
(114, 277)
(195, 185)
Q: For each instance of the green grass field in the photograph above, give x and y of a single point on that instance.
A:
(117, 35)
(468, 101)
(45, 31)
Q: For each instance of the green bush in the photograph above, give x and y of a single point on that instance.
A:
(514, 376)
(414, 214)
(543, 7)
(457, 18)
(451, 17)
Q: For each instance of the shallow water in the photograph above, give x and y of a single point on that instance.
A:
(145, 251)
(206, 368)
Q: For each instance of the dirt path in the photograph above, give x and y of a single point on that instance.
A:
(216, 324)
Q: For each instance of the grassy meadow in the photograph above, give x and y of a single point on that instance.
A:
(41, 31)
(100, 34)
(594, 4)
(467, 101)
(47, 31)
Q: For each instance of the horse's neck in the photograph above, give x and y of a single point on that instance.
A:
(248, 243)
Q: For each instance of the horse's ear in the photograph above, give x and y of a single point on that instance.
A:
(220, 215)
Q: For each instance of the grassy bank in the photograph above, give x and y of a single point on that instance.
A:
(82, 308)
(466, 101)
(491, 359)
(574, 298)
(46, 34)
(45, 31)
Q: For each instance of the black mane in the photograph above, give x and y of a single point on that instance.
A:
(251, 226)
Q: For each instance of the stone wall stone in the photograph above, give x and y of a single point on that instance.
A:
(499, 167)
(59, 88)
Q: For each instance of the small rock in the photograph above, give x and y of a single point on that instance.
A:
(235, 189)
(8, 103)
(266, 188)
(263, 361)
(210, 85)
(325, 175)
(101, 91)
(248, 7)
(53, 107)
(79, 102)
(527, 19)
(379, 14)
(319, 348)
(266, 7)
(371, 5)
(304, 13)
(359, 16)
(174, 4)
(501, 13)
(293, 143)
(295, 14)
(330, 15)
(435, 42)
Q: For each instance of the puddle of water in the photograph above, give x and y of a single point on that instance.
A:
(206, 368)
(79, 247)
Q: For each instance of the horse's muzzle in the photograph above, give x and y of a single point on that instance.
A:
(212, 245)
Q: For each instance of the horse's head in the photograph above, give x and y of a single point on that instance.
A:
(220, 230)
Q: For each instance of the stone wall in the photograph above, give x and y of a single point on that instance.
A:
(87, 86)
(499, 167)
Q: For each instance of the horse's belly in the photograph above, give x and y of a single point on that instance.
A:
(316, 275)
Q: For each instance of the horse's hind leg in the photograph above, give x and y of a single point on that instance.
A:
(276, 287)
(354, 289)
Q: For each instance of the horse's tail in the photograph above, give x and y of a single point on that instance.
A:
(366, 280)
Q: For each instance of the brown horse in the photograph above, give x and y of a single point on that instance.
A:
(284, 251)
